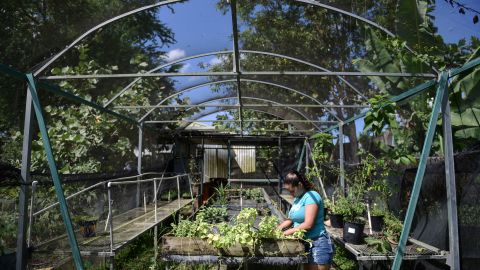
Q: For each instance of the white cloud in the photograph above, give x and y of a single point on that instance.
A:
(185, 67)
(214, 61)
(174, 55)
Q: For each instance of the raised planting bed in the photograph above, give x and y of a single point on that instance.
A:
(191, 246)
(233, 234)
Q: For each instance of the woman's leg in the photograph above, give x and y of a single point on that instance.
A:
(320, 254)
(316, 266)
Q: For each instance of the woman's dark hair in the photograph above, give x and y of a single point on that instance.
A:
(293, 178)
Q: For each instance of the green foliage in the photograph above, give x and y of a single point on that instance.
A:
(8, 230)
(243, 232)
(84, 218)
(78, 133)
(187, 228)
(393, 227)
(341, 206)
(341, 259)
(247, 216)
(323, 147)
(321, 155)
(381, 113)
(380, 244)
(221, 195)
(212, 214)
(466, 105)
(253, 193)
(378, 211)
(267, 228)
(170, 195)
(353, 211)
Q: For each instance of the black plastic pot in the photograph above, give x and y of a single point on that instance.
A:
(377, 223)
(336, 221)
(325, 213)
(88, 228)
(353, 232)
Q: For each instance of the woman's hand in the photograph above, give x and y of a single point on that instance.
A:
(285, 224)
(290, 231)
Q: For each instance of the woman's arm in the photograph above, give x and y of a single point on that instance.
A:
(285, 224)
(311, 211)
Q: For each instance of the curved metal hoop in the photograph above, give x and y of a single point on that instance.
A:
(255, 98)
(222, 110)
(147, 7)
(130, 85)
(234, 80)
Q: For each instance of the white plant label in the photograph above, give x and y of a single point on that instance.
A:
(351, 230)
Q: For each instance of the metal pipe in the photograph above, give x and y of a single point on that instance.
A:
(202, 179)
(442, 85)
(155, 198)
(236, 60)
(245, 120)
(233, 74)
(342, 157)
(275, 114)
(21, 250)
(32, 204)
(190, 186)
(241, 195)
(281, 105)
(369, 219)
(144, 180)
(144, 202)
(110, 221)
(229, 160)
(279, 164)
(93, 186)
(155, 231)
(178, 191)
(129, 86)
(341, 11)
(99, 26)
(139, 160)
(54, 173)
(261, 99)
(307, 160)
(234, 80)
(453, 239)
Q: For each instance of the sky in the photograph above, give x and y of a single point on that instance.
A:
(200, 28)
(452, 25)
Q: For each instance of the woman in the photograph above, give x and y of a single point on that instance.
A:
(307, 214)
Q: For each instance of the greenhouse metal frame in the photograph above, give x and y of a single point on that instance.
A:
(439, 80)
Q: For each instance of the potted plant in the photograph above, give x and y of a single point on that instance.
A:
(327, 206)
(354, 223)
(169, 196)
(380, 190)
(377, 215)
(337, 212)
(186, 195)
(87, 223)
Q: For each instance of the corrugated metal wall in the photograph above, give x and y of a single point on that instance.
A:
(244, 156)
(216, 160)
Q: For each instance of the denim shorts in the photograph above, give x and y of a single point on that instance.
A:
(320, 251)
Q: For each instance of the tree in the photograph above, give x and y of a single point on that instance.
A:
(34, 31)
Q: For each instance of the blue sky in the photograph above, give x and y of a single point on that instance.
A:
(452, 25)
(199, 28)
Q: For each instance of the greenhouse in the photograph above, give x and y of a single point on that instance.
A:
(189, 134)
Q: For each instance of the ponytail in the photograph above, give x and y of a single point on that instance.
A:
(293, 178)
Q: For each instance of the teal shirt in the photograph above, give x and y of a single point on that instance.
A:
(297, 213)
